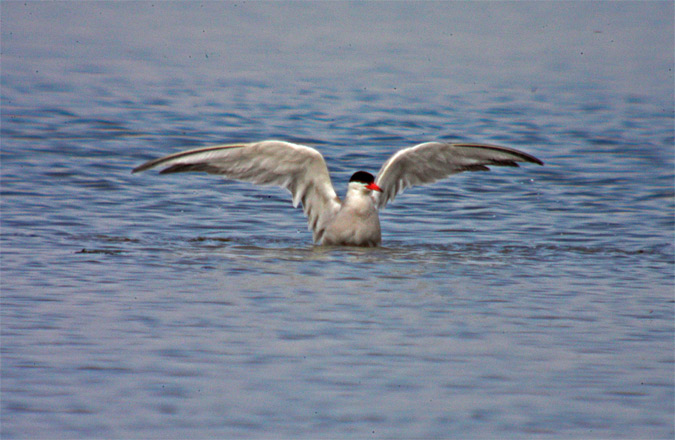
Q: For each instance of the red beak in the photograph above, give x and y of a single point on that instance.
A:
(374, 187)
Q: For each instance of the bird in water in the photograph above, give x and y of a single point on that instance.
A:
(302, 170)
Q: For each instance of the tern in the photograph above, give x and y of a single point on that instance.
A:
(302, 170)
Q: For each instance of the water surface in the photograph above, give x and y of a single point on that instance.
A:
(525, 302)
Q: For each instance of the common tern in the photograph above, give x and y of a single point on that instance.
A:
(302, 170)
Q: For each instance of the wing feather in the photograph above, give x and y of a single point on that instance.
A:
(431, 161)
(301, 170)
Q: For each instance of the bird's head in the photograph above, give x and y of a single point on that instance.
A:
(362, 179)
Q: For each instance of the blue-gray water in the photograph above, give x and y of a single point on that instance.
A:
(527, 302)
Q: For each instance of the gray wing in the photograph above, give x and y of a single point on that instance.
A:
(432, 161)
(300, 169)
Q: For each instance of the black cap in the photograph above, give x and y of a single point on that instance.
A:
(363, 177)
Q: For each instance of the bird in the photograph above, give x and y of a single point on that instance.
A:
(302, 170)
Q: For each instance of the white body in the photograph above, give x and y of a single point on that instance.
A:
(302, 171)
(357, 221)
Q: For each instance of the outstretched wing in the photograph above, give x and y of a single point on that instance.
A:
(300, 169)
(432, 161)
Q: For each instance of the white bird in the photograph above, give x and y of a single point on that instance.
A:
(302, 171)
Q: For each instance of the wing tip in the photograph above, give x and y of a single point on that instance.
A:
(141, 167)
(525, 157)
(155, 162)
(147, 165)
(535, 160)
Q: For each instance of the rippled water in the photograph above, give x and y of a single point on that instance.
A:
(528, 302)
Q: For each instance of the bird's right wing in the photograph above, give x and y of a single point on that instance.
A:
(432, 161)
(300, 169)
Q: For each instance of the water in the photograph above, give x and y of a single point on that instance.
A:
(528, 302)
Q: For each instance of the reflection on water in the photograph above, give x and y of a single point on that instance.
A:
(535, 301)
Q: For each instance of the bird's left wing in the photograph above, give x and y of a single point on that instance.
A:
(432, 161)
(300, 169)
